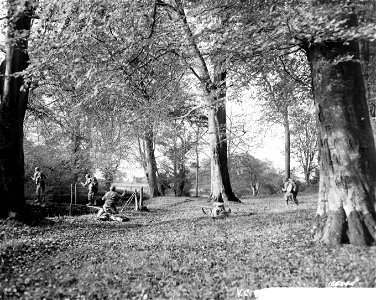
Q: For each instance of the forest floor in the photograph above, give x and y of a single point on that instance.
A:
(174, 251)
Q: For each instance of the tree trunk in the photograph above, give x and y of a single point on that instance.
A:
(254, 185)
(368, 61)
(197, 159)
(151, 164)
(346, 207)
(181, 180)
(221, 189)
(77, 156)
(307, 172)
(141, 152)
(14, 98)
(286, 125)
(175, 162)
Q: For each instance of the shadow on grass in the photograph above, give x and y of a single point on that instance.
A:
(177, 203)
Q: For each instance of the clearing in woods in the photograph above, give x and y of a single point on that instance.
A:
(174, 251)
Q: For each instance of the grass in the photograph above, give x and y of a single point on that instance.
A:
(174, 251)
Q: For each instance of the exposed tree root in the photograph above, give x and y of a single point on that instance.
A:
(335, 228)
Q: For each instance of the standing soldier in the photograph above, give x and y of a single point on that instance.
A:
(40, 181)
(92, 184)
(291, 190)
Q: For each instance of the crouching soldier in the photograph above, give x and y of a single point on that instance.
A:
(217, 210)
(111, 198)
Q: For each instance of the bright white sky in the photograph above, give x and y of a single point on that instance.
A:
(270, 137)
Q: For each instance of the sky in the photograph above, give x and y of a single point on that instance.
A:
(269, 139)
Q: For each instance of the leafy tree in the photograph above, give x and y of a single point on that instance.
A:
(328, 32)
(109, 145)
(113, 66)
(304, 142)
(213, 89)
(177, 142)
(14, 97)
(284, 88)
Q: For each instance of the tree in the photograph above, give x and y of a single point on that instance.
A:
(155, 86)
(113, 63)
(109, 145)
(253, 176)
(199, 125)
(277, 106)
(213, 89)
(284, 88)
(14, 97)
(346, 210)
(178, 140)
(304, 141)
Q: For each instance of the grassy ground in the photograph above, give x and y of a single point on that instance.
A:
(174, 251)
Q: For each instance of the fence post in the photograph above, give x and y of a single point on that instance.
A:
(141, 196)
(71, 199)
(135, 200)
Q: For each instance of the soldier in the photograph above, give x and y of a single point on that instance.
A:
(291, 190)
(110, 200)
(92, 184)
(40, 181)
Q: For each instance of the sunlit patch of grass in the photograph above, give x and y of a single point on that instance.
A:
(176, 251)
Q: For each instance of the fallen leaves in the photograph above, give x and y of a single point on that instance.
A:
(175, 251)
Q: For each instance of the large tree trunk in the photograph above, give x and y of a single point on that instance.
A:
(221, 189)
(346, 208)
(14, 97)
(151, 164)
